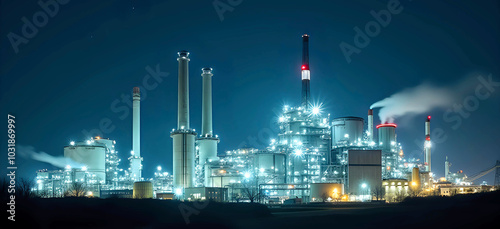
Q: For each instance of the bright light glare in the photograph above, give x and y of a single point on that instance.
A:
(178, 191)
(315, 110)
(247, 175)
(84, 168)
(159, 168)
(298, 152)
(72, 143)
(363, 185)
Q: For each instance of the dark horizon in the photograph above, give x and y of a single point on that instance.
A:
(72, 73)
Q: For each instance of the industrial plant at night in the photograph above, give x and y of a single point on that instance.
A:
(314, 158)
(250, 114)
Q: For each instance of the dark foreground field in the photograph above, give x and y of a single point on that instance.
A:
(468, 211)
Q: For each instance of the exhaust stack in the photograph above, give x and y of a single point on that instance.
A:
(206, 115)
(447, 166)
(370, 126)
(135, 158)
(427, 146)
(306, 74)
(208, 141)
(183, 137)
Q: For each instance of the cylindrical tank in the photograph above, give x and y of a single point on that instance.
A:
(415, 178)
(348, 129)
(143, 190)
(91, 156)
(387, 136)
(207, 149)
(183, 159)
(326, 190)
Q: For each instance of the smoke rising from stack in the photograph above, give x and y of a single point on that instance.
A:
(61, 162)
(421, 99)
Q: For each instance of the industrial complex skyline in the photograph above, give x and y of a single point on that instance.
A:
(73, 82)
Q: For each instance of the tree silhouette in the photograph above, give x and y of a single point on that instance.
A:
(378, 192)
(76, 189)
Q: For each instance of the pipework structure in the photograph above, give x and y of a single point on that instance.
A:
(135, 157)
(183, 137)
(207, 141)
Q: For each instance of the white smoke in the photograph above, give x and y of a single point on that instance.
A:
(61, 162)
(418, 100)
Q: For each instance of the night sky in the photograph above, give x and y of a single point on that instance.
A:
(65, 80)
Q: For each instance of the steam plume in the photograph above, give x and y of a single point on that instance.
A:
(421, 99)
(61, 162)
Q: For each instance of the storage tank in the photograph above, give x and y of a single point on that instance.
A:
(387, 136)
(348, 129)
(415, 178)
(143, 190)
(328, 190)
(92, 156)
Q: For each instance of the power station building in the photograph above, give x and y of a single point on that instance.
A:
(312, 158)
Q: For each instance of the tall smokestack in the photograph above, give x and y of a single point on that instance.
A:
(136, 125)
(447, 169)
(206, 114)
(370, 125)
(183, 137)
(306, 74)
(208, 141)
(183, 91)
(427, 148)
(135, 158)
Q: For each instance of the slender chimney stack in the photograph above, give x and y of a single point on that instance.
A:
(306, 74)
(183, 137)
(135, 158)
(370, 126)
(183, 91)
(447, 169)
(427, 148)
(136, 125)
(207, 142)
(206, 114)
